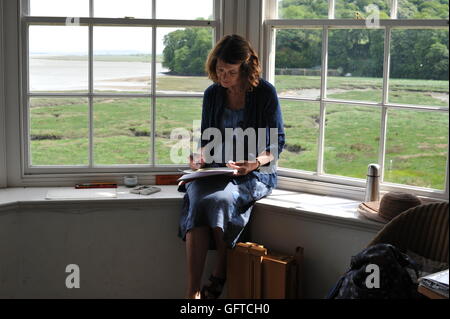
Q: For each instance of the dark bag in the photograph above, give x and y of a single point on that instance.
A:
(393, 279)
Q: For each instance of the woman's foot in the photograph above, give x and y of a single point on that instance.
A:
(214, 289)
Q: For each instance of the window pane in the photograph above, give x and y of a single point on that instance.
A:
(139, 9)
(352, 137)
(181, 57)
(174, 114)
(59, 8)
(121, 131)
(361, 9)
(122, 59)
(59, 131)
(298, 63)
(301, 124)
(182, 9)
(416, 148)
(419, 67)
(58, 58)
(355, 64)
(302, 9)
(422, 9)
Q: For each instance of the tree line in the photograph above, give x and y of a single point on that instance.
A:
(415, 54)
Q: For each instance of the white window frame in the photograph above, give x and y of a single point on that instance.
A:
(37, 172)
(297, 178)
(229, 17)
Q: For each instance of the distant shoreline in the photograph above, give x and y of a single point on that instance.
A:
(144, 58)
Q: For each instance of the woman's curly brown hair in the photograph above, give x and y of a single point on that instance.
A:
(234, 49)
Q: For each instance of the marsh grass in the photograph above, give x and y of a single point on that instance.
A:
(416, 141)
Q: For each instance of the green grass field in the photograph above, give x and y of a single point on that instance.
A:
(416, 141)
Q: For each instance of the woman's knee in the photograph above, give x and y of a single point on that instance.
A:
(199, 230)
(221, 199)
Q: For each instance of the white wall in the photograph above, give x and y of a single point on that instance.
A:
(122, 252)
(134, 251)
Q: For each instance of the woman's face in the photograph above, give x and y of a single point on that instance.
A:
(228, 74)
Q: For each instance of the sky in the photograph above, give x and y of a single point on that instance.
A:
(72, 39)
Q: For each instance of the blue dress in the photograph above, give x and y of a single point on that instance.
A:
(218, 201)
(227, 201)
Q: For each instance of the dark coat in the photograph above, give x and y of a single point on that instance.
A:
(262, 110)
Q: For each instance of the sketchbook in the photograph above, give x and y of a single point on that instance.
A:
(438, 282)
(205, 172)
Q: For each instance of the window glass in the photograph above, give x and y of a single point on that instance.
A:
(419, 67)
(58, 59)
(59, 131)
(422, 9)
(298, 63)
(416, 148)
(187, 10)
(139, 9)
(352, 137)
(362, 9)
(122, 59)
(302, 9)
(180, 117)
(180, 60)
(59, 8)
(355, 64)
(121, 131)
(301, 125)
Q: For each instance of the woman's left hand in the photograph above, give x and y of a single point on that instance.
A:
(243, 167)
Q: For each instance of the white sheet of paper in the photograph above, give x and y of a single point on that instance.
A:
(87, 193)
(440, 277)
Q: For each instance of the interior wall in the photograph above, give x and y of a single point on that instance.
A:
(3, 179)
(131, 251)
(244, 17)
(122, 252)
(11, 71)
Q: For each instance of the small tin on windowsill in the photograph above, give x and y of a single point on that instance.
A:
(130, 180)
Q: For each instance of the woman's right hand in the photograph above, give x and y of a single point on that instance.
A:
(196, 161)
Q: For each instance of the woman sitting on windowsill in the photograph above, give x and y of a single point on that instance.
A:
(217, 208)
